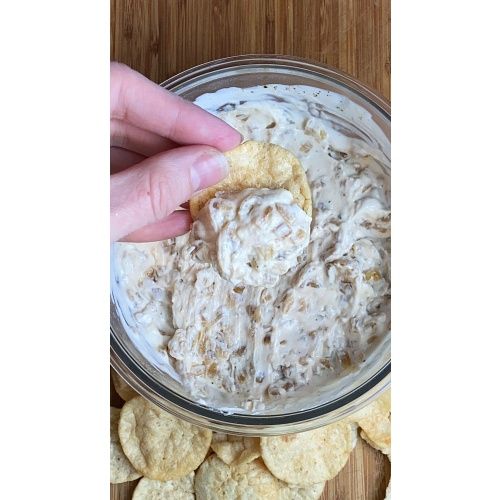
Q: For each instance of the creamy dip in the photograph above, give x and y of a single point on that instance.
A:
(253, 236)
(233, 340)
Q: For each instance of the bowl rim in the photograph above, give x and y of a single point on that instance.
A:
(257, 424)
(306, 65)
(218, 420)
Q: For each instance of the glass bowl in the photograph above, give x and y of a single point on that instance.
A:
(374, 377)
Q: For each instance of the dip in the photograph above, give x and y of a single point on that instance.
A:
(253, 236)
(247, 339)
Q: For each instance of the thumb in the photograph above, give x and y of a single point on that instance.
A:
(147, 192)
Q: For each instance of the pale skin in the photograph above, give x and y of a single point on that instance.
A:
(163, 149)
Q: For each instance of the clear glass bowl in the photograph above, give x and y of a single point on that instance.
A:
(374, 377)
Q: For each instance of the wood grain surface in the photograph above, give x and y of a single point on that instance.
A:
(160, 38)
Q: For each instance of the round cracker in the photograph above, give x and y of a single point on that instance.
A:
(378, 444)
(235, 450)
(158, 444)
(259, 165)
(180, 489)
(312, 456)
(311, 492)
(122, 388)
(215, 480)
(375, 423)
(121, 470)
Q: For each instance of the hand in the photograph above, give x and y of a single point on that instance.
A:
(163, 149)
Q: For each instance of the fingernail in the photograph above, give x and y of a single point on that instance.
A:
(208, 169)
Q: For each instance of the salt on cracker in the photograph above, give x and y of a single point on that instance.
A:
(375, 423)
(235, 450)
(215, 480)
(259, 165)
(121, 470)
(122, 388)
(158, 444)
(312, 456)
(180, 489)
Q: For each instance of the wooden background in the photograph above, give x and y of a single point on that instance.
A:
(160, 38)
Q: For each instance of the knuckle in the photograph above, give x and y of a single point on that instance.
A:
(119, 101)
(174, 123)
(160, 193)
(118, 135)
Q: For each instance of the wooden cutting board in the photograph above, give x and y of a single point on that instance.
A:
(160, 38)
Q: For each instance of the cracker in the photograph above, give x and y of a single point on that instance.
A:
(180, 489)
(122, 388)
(375, 423)
(291, 492)
(215, 480)
(312, 456)
(121, 470)
(158, 444)
(235, 450)
(386, 450)
(259, 165)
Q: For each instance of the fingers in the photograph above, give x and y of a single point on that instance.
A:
(145, 105)
(147, 193)
(120, 159)
(135, 139)
(175, 224)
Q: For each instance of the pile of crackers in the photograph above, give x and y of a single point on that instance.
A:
(180, 461)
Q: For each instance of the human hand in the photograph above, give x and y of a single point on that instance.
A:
(163, 149)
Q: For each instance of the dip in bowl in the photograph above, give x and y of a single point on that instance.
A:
(315, 346)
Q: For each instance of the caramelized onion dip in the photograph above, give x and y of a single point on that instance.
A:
(252, 236)
(253, 305)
